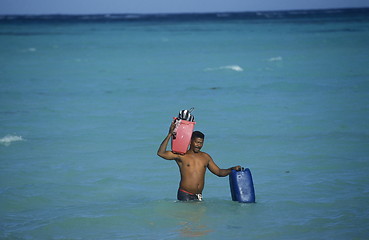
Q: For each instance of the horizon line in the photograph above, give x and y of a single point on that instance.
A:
(187, 13)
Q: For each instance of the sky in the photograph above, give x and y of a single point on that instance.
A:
(166, 6)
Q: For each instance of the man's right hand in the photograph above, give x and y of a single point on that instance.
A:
(172, 127)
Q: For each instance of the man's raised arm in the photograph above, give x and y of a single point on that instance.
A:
(162, 151)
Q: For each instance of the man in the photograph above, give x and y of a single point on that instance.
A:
(192, 166)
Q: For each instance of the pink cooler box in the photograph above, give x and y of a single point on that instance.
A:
(183, 137)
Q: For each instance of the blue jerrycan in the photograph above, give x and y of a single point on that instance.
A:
(242, 186)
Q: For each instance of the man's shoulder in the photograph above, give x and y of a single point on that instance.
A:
(205, 155)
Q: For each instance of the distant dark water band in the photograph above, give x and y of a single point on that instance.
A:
(295, 14)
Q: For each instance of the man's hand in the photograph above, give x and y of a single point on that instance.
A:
(172, 127)
(237, 168)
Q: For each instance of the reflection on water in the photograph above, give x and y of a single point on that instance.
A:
(191, 217)
(194, 230)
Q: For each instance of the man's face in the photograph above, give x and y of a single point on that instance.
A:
(196, 144)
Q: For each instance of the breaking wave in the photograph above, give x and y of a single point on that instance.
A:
(8, 139)
(275, 59)
(228, 67)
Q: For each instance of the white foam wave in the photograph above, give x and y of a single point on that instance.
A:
(233, 67)
(275, 59)
(8, 139)
(228, 67)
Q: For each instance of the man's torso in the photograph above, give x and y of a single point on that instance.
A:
(193, 167)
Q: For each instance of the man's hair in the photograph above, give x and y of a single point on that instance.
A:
(197, 134)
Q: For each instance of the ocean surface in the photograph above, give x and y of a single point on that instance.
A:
(85, 102)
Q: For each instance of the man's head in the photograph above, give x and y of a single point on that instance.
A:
(198, 134)
(197, 141)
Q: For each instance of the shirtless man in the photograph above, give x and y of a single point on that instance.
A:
(192, 166)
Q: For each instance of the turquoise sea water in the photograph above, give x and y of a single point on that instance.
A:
(85, 102)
